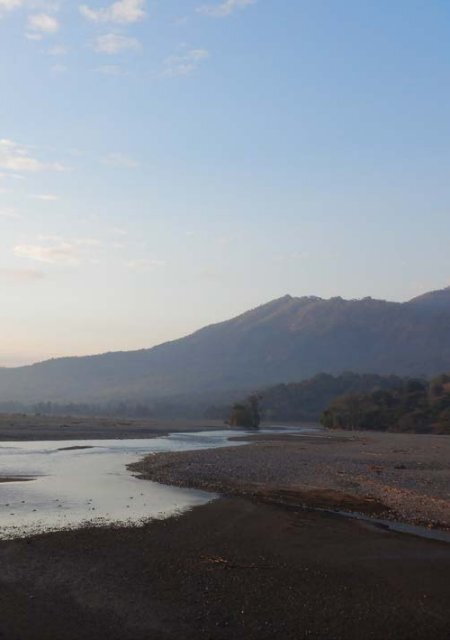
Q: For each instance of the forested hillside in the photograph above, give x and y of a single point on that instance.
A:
(414, 406)
(306, 400)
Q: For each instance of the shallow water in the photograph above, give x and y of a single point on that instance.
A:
(91, 485)
(392, 525)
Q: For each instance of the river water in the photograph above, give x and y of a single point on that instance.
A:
(73, 487)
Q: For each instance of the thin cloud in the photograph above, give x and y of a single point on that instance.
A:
(17, 157)
(10, 5)
(113, 43)
(58, 50)
(9, 213)
(11, 176)
(21, 275)
(224, 9)
(46, 197)
(87, 242)
(57, 250)
(111, 70)
(120, 161)
(59, 69)
(184, 64)
(61, 253)
(120, 12)
(41, 25)
(144, 264)
(119, 231)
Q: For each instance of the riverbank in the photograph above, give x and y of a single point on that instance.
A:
(23, 427)
(404, 477)
(229, 569)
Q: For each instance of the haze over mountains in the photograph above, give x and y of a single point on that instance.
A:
(288, 339)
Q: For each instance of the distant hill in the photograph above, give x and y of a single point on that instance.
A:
(284, 340)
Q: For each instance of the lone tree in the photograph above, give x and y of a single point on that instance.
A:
(246, 414)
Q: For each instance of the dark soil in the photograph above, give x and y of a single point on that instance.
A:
(233, 569)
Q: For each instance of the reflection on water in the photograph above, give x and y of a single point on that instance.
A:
(86, 481)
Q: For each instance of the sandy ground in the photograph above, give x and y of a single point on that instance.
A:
(21, 427)
(404, 477)
(229, 570)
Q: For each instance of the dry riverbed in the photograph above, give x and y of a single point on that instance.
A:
(230, 570)
(23, 427)
(404, 477)
(256, 569)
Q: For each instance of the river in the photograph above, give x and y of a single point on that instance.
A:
(67, 484)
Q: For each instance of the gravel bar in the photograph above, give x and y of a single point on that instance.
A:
(404, 477)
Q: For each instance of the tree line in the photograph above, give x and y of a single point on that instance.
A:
(415, 406)
(307, 400)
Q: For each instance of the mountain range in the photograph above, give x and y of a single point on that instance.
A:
(287, 339)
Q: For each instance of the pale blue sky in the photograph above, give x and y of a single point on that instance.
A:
(165, 164)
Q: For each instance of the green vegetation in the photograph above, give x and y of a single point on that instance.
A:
(307, 400)
(414, 406)
(246, 415)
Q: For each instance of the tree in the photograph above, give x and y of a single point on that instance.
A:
(254, 407)
(246, 415)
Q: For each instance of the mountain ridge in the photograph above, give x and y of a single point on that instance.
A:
(287, 339)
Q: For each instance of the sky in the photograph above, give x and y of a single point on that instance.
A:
(166, 164)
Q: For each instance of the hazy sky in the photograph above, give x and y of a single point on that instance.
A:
(165, 164)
